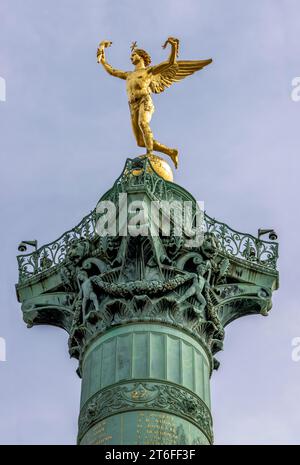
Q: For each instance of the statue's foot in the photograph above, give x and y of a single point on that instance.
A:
(174, 157)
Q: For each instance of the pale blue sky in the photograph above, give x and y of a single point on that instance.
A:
(64, 136)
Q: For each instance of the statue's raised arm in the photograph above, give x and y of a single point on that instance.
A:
(171, 63)
(168, 72)
(102, 59)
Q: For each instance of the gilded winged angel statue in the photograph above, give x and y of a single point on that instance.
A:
(145, 79)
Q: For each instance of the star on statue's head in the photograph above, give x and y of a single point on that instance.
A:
(133, 46)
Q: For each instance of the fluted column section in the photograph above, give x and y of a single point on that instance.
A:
(145, 384)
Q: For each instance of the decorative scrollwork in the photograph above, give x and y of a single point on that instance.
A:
(243, 246)
(54, 254)
(146, 396)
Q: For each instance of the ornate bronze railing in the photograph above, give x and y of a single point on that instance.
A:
(50, 255)
(230, 242)
(243, 246)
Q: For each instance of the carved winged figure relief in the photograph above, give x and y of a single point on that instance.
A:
(143, 81)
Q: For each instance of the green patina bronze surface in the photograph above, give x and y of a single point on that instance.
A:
(146, 314)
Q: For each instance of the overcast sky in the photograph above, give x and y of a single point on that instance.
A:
(64, 137)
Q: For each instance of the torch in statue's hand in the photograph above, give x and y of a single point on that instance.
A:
(100, 51)
(173, 42)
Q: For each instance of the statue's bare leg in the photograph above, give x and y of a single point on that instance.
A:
(173, 153)
(145, 114)
(140, 119)
(188, 293)
(94, 299)
(200, 298)
(136, 129)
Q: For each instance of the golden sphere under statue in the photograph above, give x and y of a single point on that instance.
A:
(159, 165)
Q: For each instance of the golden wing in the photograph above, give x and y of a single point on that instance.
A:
(174, 73)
